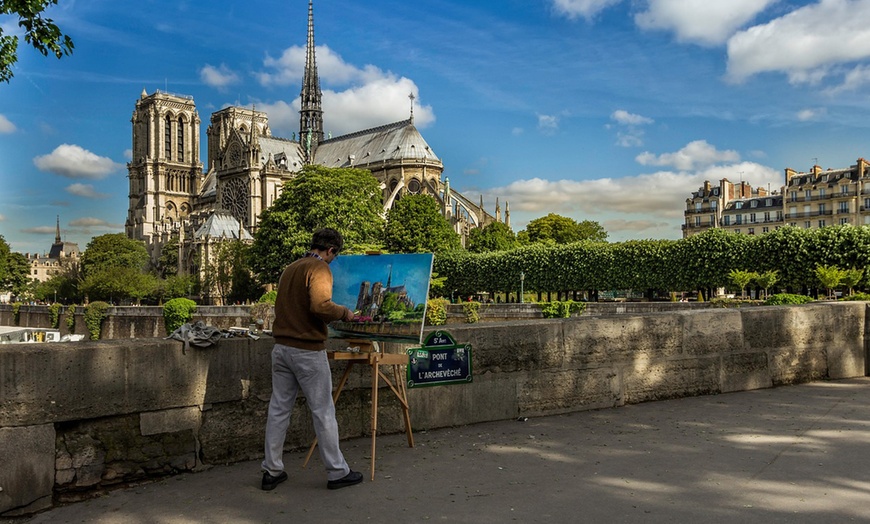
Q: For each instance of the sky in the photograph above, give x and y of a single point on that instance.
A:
(606, 110)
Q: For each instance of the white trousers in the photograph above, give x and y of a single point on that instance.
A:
(295, 369)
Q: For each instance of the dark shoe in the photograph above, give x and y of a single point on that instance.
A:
(354, 477)
(269, 482)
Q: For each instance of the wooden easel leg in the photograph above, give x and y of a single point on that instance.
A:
(335, 396)
(375, 377)
(406, 410)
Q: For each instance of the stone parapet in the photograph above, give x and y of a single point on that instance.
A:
(81, 417)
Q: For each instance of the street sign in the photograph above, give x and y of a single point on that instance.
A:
(440, 361)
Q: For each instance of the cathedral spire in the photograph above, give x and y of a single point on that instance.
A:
(57, 231)
(310, 113)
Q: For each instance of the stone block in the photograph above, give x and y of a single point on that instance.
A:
(27, 474)
(646, 380)
(515, 346)
(169, 420)
(491, 396)
(796, 365)
(550, 393)
(745, 371)
(712, 332)
(597, 341)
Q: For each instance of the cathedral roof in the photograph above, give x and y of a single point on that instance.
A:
(221, 225)
(209, 185)
(282, 148)
(391, 142)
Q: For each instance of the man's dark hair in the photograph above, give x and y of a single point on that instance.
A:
(326, 238)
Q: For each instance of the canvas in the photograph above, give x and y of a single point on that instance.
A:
(388, 293)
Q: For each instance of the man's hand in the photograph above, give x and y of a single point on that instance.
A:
(348, 316)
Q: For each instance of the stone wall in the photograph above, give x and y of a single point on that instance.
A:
(76, 418)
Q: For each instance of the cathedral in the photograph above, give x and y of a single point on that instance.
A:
(173, 194)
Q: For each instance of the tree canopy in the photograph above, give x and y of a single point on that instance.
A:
(40, 32)
(346, 199)
(416, 225)
(557, 229)
(113, 267)
(17, 275)
(493, 237)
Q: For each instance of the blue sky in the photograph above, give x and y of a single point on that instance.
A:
(606, 110)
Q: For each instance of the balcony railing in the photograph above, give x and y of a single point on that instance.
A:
(807, 214)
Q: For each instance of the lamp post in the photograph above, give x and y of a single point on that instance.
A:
(522, 279)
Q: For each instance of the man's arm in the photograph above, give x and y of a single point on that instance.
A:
(320, 293)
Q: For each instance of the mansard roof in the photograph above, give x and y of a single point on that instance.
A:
(221, 224)
(391, 142)
(281, 148)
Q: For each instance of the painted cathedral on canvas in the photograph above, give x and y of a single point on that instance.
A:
(172, 193)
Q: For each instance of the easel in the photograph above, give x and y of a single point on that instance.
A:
(369, 353)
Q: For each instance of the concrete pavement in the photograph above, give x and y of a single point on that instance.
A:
(791, 454)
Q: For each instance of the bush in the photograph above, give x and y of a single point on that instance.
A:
(269, 297)
(436, 311)
(724, 302)
(16, 312)
(54, 314)
(560, 309)
(177, 312)
(782, 299)
(857, 296)
(471, 310)
(71, 318)
(95, 312)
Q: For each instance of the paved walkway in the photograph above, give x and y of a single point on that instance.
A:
(792, 455)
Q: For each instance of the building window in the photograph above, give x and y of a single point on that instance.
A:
(844, 221)
(764, 230)
(738, 205)
(844, 190)
(180, 144)
(752, 217)
(822, 209)
(808, 195)
(807, 224)
(737, 231)
(167, 138)
(713, 204)
(821, 193)
(697, 206)
(768, 202)
(844, 207)
(793, 196)
(728, 220)
(739, 219)
(754, 203)
(867, 204)
(751, 230)
(697, 221)
(821, 223)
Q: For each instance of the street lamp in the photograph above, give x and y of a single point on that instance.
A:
(522, 279)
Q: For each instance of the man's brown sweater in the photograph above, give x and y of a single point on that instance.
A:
(304, 305)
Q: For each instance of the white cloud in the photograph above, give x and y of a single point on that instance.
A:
(701, 22)
(128, 154)
(805, 43)
(855, 79)
(695, 155)
(548, 124)
(218, 77)
(621, 116)
(806, 115)
(630, 135)
(90, 222)
(85, 190)
(649, 205)
(72, 161)
(370, 96)
(582, 8)
(6, 126)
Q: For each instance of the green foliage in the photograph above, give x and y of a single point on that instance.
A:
(16, 312)
(556, 229)
(436, 311)
(767, 279)
(119, 282)
(436, 284)
(41, 33)
(54, 314)
(851, 278)
(176, 286)
(562, 309)
(4, 256)
(17, 274)
(493, 237)
(95, 312)
(782, 299)
(177, 312)
(227, 273)
(112, 251)
(472, 311)
(415, 225)
(858, 296)
(269, 297)
(71, 318)
(829, 277)
(741, 279)
(349, 200)
(167, 264)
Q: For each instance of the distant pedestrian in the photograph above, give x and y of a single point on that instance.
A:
(303, 308)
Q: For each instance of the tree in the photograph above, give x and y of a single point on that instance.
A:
(416, 225)
(830, 277)
(167, 264)
(17, 274)
(851, 277)
(346, 199)
(741, 279)
(766, 280)
(557, 229)
(493, 237)
(41, 33)
(4, 256)
(113, 268)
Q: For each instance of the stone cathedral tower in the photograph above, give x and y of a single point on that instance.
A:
(165, 173)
